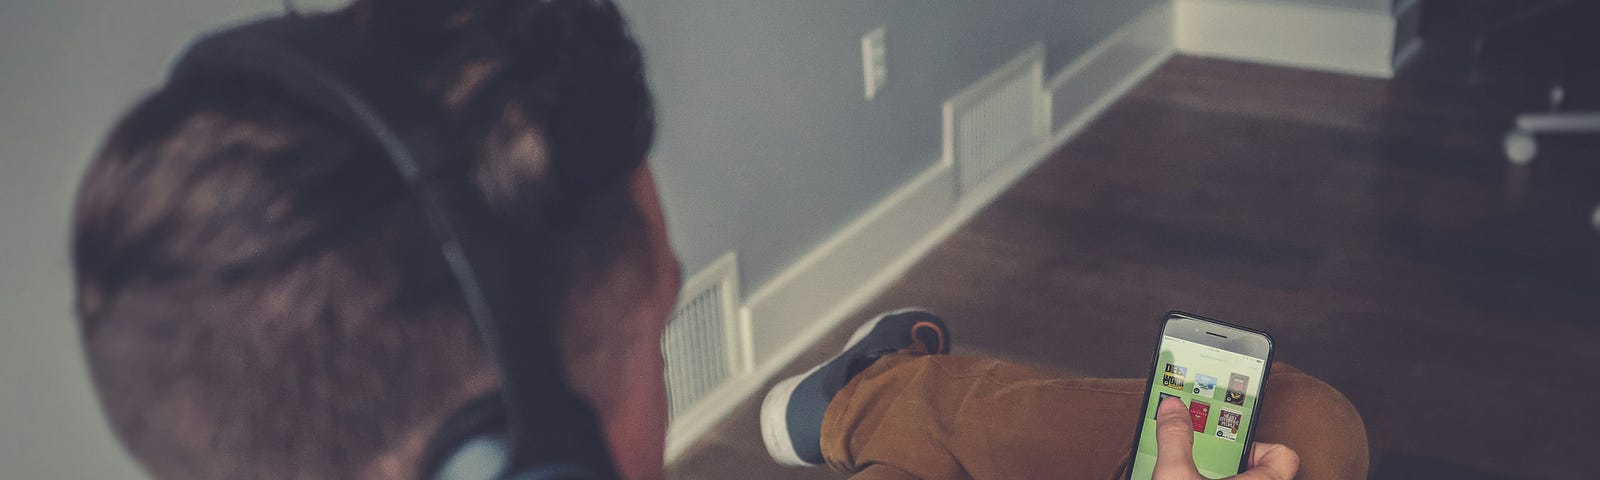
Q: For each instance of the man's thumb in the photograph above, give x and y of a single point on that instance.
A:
(1174, 437)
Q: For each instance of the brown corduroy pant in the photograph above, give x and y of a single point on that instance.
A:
(934, 417)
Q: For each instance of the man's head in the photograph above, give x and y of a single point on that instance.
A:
(260, 297)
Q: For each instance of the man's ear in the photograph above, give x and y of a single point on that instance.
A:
(647, 199)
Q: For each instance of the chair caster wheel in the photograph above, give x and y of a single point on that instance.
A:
(1521, 147)
(1595, 219)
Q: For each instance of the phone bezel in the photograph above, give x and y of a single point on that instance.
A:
(1259, 341)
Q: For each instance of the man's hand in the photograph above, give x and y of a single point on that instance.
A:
(1175, 450)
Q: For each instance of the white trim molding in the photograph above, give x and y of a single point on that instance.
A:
(1358, 38)
(1076, 94)
(808, 299)
(805, 300)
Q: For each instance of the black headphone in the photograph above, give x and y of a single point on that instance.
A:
(535, 426)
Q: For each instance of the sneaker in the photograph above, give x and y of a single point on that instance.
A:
(791, 413)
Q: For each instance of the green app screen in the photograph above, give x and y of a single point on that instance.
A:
(1219, 389)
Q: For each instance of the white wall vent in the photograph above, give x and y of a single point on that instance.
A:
(993, 122)
(702, 344)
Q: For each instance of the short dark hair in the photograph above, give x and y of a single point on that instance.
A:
(258, 296)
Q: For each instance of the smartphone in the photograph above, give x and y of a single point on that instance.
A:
(1217, 370)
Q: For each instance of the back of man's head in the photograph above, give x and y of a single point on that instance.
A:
(258, 294)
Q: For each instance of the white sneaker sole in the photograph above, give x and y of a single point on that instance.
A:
(775, 422)
(775, 407)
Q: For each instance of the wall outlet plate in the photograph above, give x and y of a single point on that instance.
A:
(874, 61)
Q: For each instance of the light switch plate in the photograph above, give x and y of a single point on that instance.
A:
(874, 61)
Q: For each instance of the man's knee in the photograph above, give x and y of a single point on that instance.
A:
(1307, 399)
(1317, 421)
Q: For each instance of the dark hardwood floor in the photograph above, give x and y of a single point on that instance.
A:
(1372, 226)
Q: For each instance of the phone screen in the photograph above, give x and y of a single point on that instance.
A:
(1219, 387)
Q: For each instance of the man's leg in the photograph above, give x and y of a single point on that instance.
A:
(949, 417)
(945, 416)
(1316, 421)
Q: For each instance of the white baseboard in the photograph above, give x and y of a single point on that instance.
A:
(1074, 90)
(805, 299)
(803, 303)
(793, 311)
(1358, 41)
(1076, 94)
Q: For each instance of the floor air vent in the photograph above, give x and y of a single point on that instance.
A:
(702, 345)
(994, 121)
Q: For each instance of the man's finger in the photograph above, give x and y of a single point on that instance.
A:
(1271, 461)
(1174, 439)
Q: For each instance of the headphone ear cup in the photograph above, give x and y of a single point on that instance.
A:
(471, 444)
(483, 417)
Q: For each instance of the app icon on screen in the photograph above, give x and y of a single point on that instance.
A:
(1198, 412)
(1163, 398)
(1228, 425)
(1173, 377)
(1205, 386)
(1236, 386)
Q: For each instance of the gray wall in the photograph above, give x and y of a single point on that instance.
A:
(766, 146)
